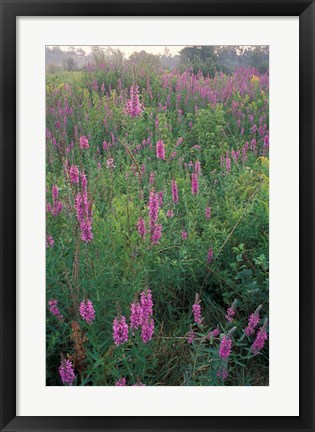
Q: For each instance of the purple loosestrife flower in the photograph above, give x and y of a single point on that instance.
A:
(54, 192)
(156, 234)
(210, 256)
(260, 340)
(226, 345)
(153, 208)
(194, 184)
(135, 316)
(133, 106)
(208, 212)
(53, 308)
(84, 142)
(49, 241)
(214, 333)
(84, 211)
(146, 303)
(74, 174)
(266, 144)
(184, 235)
(147, 330)
(121, 382)
(87, 311)
(160, 150)
(170, 213)
(84, 215)
(253, 321)
(120, 330)
(196, 309)
(141, 228)
(225, 348)
(174, 192)
(231, 312)
(83, 181)
(66, 372)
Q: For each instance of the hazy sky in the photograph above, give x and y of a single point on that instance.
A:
(129, 49)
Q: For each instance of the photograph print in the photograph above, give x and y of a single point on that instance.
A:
(157, 215)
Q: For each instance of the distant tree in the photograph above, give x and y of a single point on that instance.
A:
(80, 53)
(144, 58)
(257, 56)
(69, 63)
(98, 55)
(200, 58)
(210, 59)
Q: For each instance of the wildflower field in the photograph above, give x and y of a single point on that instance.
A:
(157, 249)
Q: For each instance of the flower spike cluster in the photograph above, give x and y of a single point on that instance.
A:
(141, 315)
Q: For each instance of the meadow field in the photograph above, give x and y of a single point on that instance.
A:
(157, 226)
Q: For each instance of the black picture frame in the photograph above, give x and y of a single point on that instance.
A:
(10, 10)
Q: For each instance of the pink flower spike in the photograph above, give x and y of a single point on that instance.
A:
(133, 106)
(226, 345)
(194, 184)
(74, 174)
(84, 142)
(253, 322)
(160, 150)
(261, 338)
(87, 311)
(174, 192)
(53, 308)
(135, 316)
(147, 330)
(49, 241)
(196, 309)
(66, 372)
(120, 331)
(231, 312)
(141, 228)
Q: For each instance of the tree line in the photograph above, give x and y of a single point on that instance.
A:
(207, 59)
